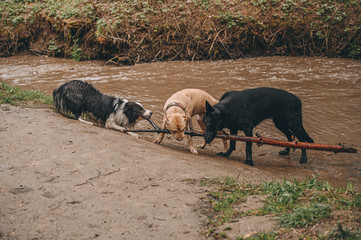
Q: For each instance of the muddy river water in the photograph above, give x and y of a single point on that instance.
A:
(330, 90)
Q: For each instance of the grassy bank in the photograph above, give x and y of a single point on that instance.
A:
(128, 32)
(307, 209)
(12, 95)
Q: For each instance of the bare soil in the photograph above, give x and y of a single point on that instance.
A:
(62, 179)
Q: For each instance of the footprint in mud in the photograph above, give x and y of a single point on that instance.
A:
(49, 195)
(20, 190)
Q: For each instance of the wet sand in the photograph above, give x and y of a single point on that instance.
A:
(62, 179)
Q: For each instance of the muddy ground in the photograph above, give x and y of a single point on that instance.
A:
(62, 179)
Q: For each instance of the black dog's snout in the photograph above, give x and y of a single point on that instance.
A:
(209, 137)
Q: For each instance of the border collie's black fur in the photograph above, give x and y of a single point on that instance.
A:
(112, 112)
(243, 110)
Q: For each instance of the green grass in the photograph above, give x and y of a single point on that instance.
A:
(296, 204)
(12, 95)
(261, 236)
(304, 216)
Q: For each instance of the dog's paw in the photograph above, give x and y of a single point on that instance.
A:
(284, 152)
(249, 163)
(133, 134)
(121, 129)
(202, 146)
(303, 160)
(157, 140)
(193, 150)
(223, 154)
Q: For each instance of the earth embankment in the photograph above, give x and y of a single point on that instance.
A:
(128, 32)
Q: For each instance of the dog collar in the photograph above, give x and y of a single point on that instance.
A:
(172, 104)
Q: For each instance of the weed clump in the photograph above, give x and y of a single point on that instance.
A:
(12, 95)
(299, 204)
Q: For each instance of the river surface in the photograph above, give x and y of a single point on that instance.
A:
(330, 90)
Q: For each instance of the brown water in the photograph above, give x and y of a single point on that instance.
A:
(330, 90)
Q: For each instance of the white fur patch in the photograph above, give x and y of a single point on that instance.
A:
(84, 121)
(139, 104)
(119, 118)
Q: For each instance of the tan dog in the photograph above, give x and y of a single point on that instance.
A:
(178, 110)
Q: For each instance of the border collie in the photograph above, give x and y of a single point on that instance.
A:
(243, 110)
(111, 112)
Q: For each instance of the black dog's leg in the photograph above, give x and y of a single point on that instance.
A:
(286, 151)
(232, 146)
(77, 112)
(296, 127)
(249, 160)
(303, 158)
(282, 126)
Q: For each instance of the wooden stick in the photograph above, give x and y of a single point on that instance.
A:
(259, 140)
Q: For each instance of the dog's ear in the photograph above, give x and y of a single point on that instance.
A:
(209, 107)
(129, 112)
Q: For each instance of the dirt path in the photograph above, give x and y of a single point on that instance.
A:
(62, 179)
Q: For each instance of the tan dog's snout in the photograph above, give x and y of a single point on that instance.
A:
(177, 124)
(178, 136)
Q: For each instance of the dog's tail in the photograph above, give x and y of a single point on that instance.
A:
(59, 102)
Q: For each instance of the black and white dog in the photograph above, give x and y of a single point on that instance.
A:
(112, 112)
(243, 110)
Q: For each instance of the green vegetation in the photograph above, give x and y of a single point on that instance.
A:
(297, 204)
(304, 216)
(13, 96)
(151, 30)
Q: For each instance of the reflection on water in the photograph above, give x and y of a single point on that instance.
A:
(330, 90)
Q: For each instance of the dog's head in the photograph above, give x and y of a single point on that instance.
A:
(176, 123)
(214, 122)
(135, 111)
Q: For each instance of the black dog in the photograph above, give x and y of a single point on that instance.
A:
(243, 110)
(112, 112)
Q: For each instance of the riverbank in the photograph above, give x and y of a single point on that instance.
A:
(64, 179)
(129, 32)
